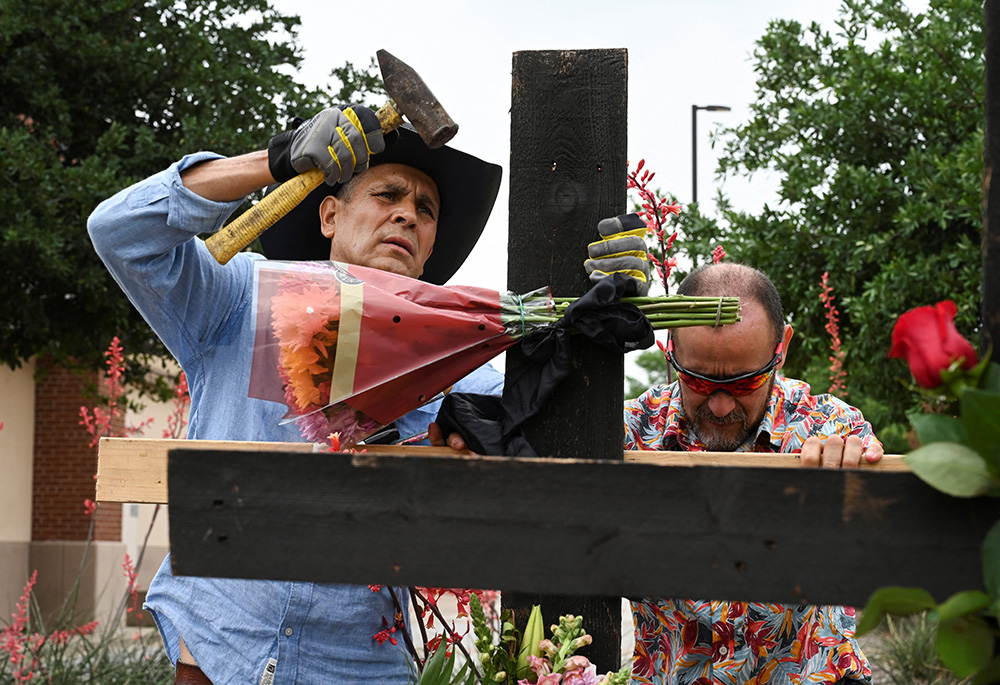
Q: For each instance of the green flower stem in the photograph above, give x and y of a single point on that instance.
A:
(701, 316)
(668, 307)
(675, 311)
(447, 629)
(677, 299)
(684, 323)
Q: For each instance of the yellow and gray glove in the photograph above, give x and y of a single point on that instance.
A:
(338, 141)
(621, 249)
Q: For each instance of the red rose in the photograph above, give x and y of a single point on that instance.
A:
(927, 339)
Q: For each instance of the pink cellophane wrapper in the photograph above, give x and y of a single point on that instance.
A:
(350, 349)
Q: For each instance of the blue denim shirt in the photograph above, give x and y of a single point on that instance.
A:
(239, 631)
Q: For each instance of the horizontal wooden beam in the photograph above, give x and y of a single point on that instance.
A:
(135, 469)
(585, 527)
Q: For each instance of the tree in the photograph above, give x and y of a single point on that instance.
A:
(97, 96)
(876, 134)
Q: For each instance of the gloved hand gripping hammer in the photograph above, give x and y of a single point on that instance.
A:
(409, 96)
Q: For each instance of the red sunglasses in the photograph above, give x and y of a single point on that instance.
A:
(737, 386)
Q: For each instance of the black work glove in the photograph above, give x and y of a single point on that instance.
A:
(338, 141)
(621, 249)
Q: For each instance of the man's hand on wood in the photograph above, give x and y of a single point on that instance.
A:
(437, 439)
(834, 452)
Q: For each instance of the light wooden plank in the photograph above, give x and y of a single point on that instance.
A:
(889, 462)
(135, 469)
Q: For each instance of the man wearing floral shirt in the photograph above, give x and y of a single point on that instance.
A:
(730, 397)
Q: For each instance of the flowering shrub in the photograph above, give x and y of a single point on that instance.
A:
(838, 375)
(99, 421)
(67, 652)
(503, 655)
(959, 454)
(655, 211)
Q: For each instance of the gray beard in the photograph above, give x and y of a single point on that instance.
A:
(717, 442)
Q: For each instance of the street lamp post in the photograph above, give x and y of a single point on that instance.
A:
(694, 144)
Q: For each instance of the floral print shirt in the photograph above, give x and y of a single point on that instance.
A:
(707, 642)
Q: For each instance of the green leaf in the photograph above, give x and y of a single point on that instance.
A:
(981, 418)
(954, 469)
(937, 428)
(962, 603)
(895, 600)
(991, 561)
(990, 674)
(965, 645)
(437, 667)
(990, 380)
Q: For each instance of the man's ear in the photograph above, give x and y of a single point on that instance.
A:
(328, 212)
(786, 339)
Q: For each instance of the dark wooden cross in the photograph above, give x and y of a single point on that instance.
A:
(990, 332)
(576, 534)
(568, 143)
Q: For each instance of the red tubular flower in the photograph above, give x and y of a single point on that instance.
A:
(927, 339)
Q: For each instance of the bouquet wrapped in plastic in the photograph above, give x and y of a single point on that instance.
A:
(350, 349)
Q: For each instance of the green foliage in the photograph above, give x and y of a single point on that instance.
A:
(905, 653)
(534, 632)
(655, 369)
(357, 85)
(895, 436)
(440, 669)
(108, 659)
(938, 428)
(97, 96)
(965, 644)
(991, 560)
(953, 469)
(498, 657)
(899, 601)
(981, 417)
(875, 130)
(958, 456)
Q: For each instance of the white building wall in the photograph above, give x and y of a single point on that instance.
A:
(17, 414)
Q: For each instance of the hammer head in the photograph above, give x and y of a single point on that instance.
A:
(416, 101)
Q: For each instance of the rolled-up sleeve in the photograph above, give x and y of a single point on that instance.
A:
(147, 237)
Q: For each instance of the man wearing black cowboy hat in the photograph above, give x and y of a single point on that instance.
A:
(413, 211)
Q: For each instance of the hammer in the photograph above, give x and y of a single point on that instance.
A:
(409, 96)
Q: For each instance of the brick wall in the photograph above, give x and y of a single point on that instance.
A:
(64, 463)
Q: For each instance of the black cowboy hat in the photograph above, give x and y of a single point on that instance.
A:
(468, 187)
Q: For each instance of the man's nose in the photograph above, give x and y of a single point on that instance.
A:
(405, 213)
(721, 403)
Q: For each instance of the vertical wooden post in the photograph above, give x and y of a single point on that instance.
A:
(991, 200)
(567, 171)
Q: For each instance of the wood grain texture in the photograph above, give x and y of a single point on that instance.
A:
(567, 172)
(990, 308)
(135, 469)
(571, 527)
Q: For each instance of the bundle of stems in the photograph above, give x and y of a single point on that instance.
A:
(670, 311)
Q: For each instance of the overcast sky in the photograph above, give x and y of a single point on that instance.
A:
(680, 53)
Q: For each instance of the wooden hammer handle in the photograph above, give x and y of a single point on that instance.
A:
(247, 227)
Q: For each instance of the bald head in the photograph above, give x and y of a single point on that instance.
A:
(737, 280)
